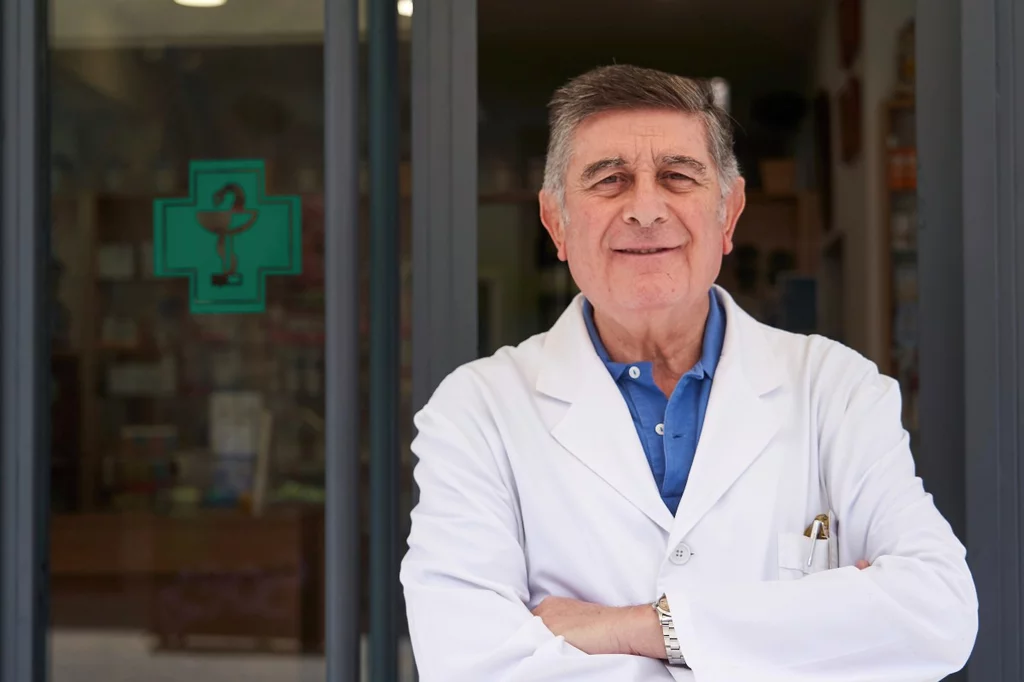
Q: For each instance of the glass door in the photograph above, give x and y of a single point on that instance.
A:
(206, 361)
(188, 449)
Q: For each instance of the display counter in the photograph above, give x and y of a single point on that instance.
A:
(211, 580)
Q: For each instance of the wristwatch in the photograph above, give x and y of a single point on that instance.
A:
(668, 629)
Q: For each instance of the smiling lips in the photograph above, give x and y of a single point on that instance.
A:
(645, 252)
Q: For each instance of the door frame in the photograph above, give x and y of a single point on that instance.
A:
(25, 343)
(342, 529)
(444, 194)
(992, 241)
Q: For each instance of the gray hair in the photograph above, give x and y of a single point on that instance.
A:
(619, 87)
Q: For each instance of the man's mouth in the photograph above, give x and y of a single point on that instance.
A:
(644, 252)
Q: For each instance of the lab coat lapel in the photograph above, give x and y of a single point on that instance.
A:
(740, 420)
(596, 427)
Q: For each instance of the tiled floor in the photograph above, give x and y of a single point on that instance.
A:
(87, 656)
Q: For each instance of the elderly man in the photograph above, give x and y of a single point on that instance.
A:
(660, 487)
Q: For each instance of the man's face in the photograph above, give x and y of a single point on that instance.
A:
(644, 226)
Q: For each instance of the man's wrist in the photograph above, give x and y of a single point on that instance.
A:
(640, 633)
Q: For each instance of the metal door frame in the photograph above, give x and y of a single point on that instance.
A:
(970, 58)
(343, 533)
(444, 201)
(992, 101)
(25, 344)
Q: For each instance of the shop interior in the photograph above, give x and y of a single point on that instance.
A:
(188, 458)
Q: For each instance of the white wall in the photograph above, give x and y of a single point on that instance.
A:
(858, 211)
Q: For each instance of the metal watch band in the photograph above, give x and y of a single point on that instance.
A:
(668, 630)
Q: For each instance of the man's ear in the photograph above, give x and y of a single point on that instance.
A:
(735, 202)
(551, 215)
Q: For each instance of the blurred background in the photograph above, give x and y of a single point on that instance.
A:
(188, 450)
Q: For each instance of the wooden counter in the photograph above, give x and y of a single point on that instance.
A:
(217, 579)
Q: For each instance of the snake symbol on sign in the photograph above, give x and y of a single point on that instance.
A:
(228, 223)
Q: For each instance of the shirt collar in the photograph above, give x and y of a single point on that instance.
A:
(614, 368)
(711, 349)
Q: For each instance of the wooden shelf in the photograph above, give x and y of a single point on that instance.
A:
(187, 572)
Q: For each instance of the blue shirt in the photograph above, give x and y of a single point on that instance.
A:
(669, 428)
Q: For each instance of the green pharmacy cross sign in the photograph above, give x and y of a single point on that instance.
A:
(227, 236)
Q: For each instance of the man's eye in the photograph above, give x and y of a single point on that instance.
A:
(678, 177)
(610, 180)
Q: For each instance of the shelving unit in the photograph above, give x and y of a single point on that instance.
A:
(144, 361)
(111, 541)
(776, 259)
(133, 321)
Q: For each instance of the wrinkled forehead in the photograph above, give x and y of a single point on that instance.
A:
(640, 138)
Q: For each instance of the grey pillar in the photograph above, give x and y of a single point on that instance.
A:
(384, 339)
(940, 248)
(993, 247)
(24, 342)
(343, 532)
(444, 128)
(444, 195)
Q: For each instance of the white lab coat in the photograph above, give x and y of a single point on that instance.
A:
(534, 483)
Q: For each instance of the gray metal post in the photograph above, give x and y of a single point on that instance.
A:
(384, 340)
(341, 260)
(941, 267)
(993, 245)
(24, 342)
(444, 192)
(444, 130)
(940, 246)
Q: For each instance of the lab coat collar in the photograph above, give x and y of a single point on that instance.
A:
(598, 429)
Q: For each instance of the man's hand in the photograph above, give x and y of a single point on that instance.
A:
(595, 629)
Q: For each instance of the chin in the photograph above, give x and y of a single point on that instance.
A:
(652, 298)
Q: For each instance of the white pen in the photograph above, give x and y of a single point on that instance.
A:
(815, 533)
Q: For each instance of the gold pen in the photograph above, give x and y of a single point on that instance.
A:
(822, 529)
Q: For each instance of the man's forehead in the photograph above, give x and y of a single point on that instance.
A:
(647, 130)
(641, 138)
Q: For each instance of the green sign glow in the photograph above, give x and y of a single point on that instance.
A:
(227, 236)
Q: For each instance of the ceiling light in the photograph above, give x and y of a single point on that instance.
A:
(200, 3)
(405, 8)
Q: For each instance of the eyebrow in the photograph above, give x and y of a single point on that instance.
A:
(598, 166)
(688, 161)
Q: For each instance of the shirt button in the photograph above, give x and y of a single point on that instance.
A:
(681, 554)
(634, 372)
(660, 429)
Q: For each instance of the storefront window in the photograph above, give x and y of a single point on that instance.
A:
(188, 340)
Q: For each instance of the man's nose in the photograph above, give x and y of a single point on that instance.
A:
(646, 207)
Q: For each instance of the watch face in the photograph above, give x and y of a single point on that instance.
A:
(663, 603)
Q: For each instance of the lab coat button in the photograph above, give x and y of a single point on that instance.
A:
(680, 555)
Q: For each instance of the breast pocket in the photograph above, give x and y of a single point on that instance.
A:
(800, 556)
